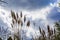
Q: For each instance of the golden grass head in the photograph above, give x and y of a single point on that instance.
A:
(40, 29)
(17, 15)
(13, 15)
(48, 28)
(19, 21)
(24, 18)
(28, 23)
(21, 15)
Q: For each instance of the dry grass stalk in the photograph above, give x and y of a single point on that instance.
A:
(40, 29)
(51, 32)
(28, 23)
(13, 21)
(13, 15)
(54, 31)
(10, 38)
(19, 21)
(43, 34)
(12, 25)
(24, 18)
(17, 15)
(16, 20)
(48, 28)
(21, 15)
(50, 36)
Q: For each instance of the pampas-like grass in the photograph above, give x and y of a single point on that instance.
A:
(24, 18)
(51, 34)
(18, 20)
(28, 23)
(39, 29)
(10, 38)
(0, 38)
(21, 15)
(13, 15)
(54, 31)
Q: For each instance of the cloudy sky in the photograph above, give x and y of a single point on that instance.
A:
(28, 4)
(43, 9)
(39, 11)
(47, 11)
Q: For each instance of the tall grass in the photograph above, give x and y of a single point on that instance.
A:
(17, 22)
(51, 34)
(16, 19)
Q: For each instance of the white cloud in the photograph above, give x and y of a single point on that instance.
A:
(39, 13)
(4, 14)
(4, 11)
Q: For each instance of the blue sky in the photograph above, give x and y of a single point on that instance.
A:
(54, 14)
(28, 4)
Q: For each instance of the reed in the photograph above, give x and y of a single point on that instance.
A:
(16, 20)
(24, 18)
(21, 15)
(51, 34)
(28, 23)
